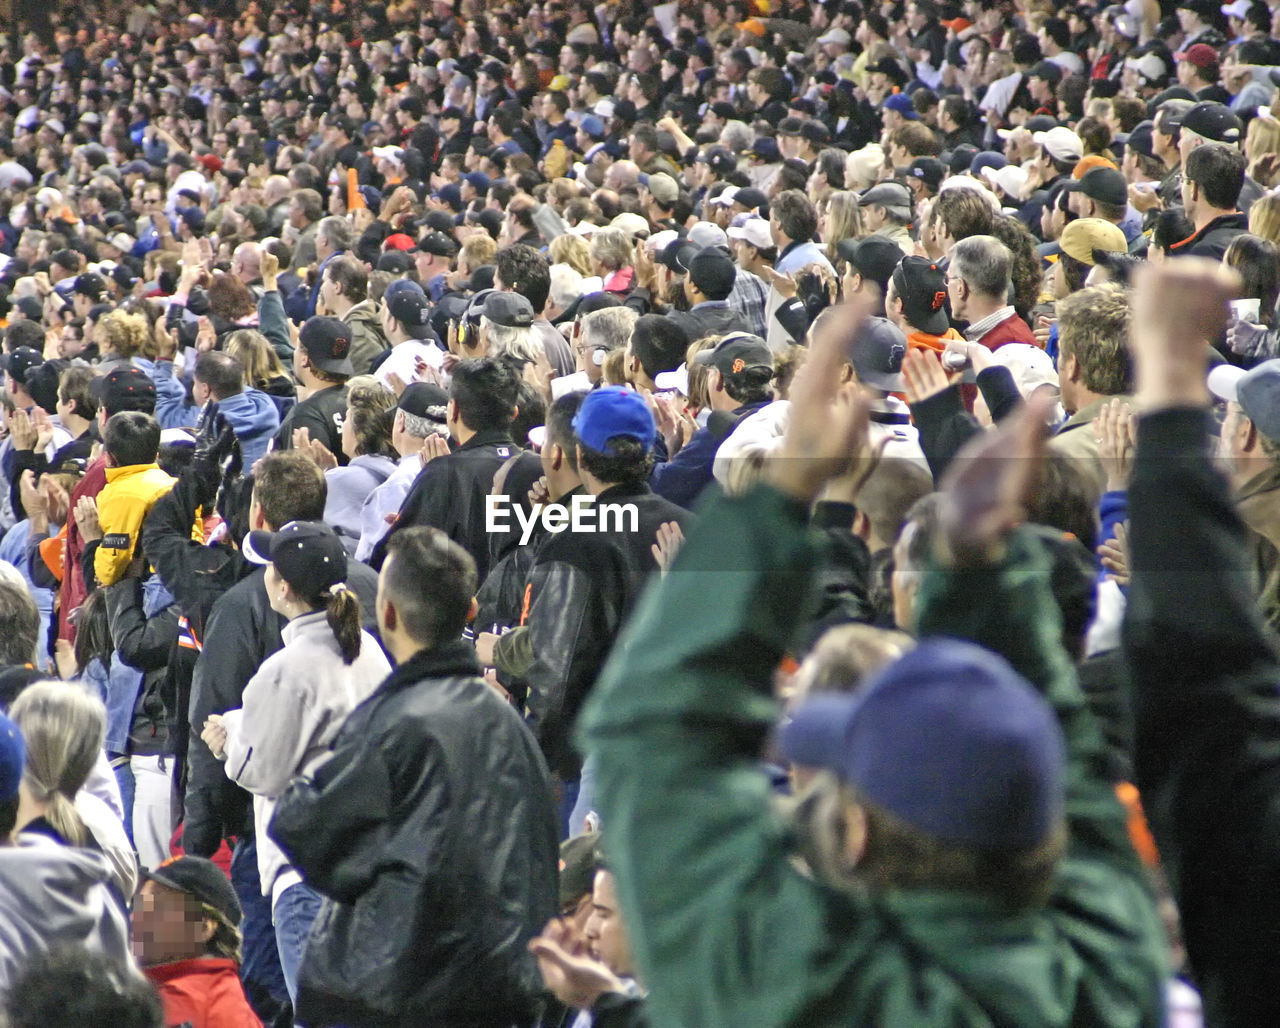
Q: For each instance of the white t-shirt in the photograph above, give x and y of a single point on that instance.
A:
(404, 358)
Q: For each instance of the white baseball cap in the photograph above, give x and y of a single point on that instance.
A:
(754, 232)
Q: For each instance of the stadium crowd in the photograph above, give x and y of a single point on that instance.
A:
(735, 513)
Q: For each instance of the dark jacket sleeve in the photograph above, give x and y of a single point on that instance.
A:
(616, 1010)
(566, 655)
(142, 643)
(273, 324)
(183, 564)
(1207, 715)
(844, 569)
(999, 391)
(334, 826)
(232, 651)
(24, 460)
(944, 426)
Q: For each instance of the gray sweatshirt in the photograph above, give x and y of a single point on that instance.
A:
(291, 711)
(53, 895)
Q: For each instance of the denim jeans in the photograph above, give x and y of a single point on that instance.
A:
(124, 778)
(295, 911)
(260, 965)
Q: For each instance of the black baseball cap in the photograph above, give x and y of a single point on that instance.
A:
(790, 126)
(20, 361)
(713, 272)
(1214, 121)
(1140, 140)
(92, 285)
(876, 354)
(1106, 185)
(306, 554)
(928, 170)
(200, 878)
(124, 389)
(436, 243)
(960, 158)
(508, 309)
(720, 159)
(327, 342)
(922, 288)
(676, 255)
(1048, 71)
(407, 303)
(736, 353)
(753, 200)
(425, 400)
(872, 257)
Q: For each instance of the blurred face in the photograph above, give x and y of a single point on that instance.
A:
(164, 929)
(604, 931)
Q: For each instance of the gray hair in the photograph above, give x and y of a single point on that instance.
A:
(611, 247)
(984, 263)
(337, 231)
(566, 285)
(1169, 110)
(418, 427)
(608, 328)
(507, 341)
(737, 136)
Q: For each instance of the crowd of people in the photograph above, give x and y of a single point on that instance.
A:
(730, 513)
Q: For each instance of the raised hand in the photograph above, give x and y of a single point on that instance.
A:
(923, 376)
(986, 487)
(667, 544)
(575, 978)
(1114, 430)
(827, 428)
(1114, 554)
(433, 447)
(86, 515)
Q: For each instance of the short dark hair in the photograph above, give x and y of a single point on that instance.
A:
(74, 388)
(74, 985)
(24, 332)
(796, 215)
(422, 554)
(963, 213)
(131, 437)
(1218, 169)
(560, 425)
(351, 275)
(525, 271)
(646, 134)
(629, 463)
(21, 620)
(289, 486)
(221, 372)
(751, 385)
(485, 391)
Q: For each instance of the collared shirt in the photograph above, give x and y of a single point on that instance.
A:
(980, 328)
(749, 297)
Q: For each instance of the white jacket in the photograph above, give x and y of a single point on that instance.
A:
(291, 711)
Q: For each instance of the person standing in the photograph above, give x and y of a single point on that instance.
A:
(445, 864)
(296, 703)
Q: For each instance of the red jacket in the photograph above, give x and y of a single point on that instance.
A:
(204, 993)
(73, 585)
(1012, 330)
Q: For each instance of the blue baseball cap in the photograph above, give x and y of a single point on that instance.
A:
(901, 103)
(987, 159)
(612, 411)
(950, 739)
(13, 753)
(593, 127)
(478, 181)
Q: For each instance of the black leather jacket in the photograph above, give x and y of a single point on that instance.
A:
(581, 588)
(450, 493)
(431, 830)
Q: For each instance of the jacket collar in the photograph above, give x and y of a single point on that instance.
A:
(114, 474)
(456, 657)
(487, 437)
(622, 492)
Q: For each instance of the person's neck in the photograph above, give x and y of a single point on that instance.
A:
(560, 484)
(722, 401)
(980, 307)
(1084, 398)
(592, 484)
(1205, 215)
(340, 307)
(461, 433)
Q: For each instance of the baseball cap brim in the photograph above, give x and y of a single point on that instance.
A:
(256, 548)
(1224, 382)
(815, 736)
